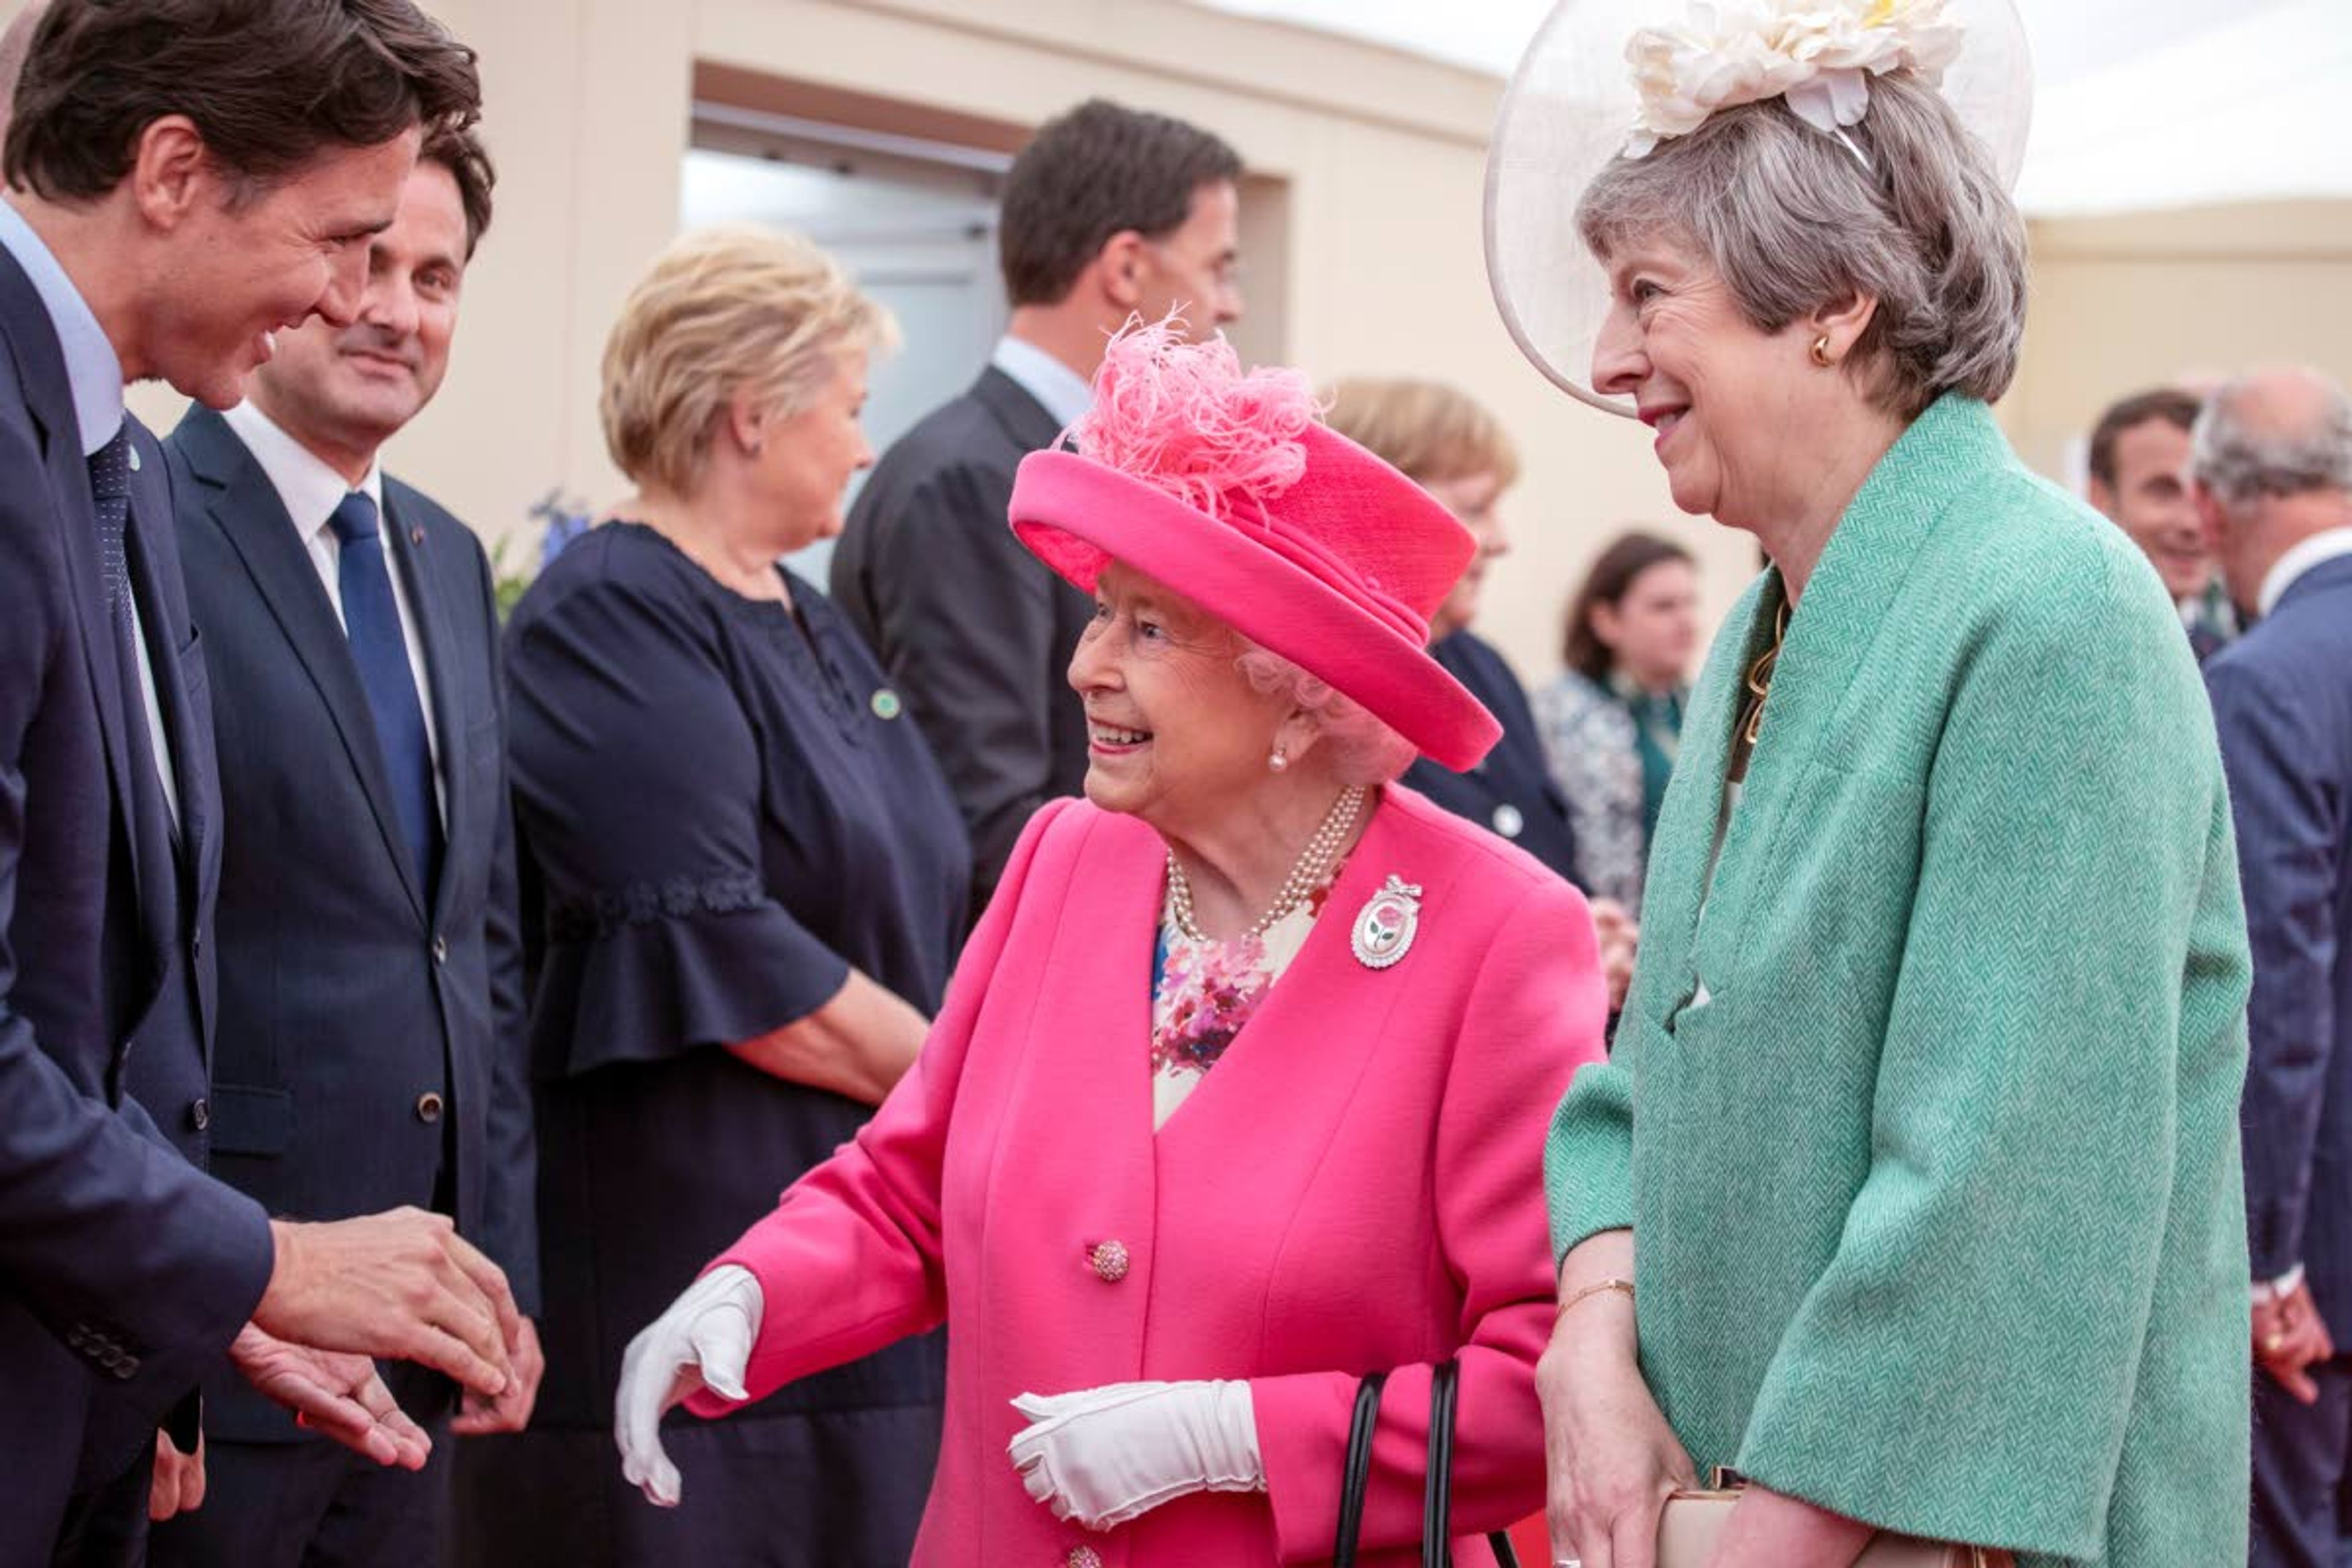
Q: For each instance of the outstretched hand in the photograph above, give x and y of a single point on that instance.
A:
(333, 1393)
(403, 1284)
(703, 1341)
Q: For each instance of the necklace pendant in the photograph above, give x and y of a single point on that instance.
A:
(1387, 924)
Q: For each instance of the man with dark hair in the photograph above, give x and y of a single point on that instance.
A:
(371, 989)
(2139, 478)
(187, 176)
(2273, 460)
(1109, 214)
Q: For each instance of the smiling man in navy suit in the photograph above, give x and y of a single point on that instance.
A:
(186, 177)
(369, 977)
(2273, 460)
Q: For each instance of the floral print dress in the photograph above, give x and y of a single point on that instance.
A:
(1203, 992)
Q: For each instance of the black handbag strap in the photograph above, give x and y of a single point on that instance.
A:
(1358, 1476)
(1437, 1484)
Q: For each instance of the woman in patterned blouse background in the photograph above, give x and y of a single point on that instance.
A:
(1612, 722)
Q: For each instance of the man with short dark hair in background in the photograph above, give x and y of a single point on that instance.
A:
(2139, 478)
(2272, 461)
(371, 989)
(186, 177)
(1110, 213)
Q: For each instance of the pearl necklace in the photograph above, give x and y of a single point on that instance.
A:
(1315, 859)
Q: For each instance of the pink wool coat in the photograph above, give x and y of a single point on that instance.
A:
(1357, 1184)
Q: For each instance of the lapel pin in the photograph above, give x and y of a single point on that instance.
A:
(1387, 924)
(885, 703)
(416, 536)
(134, 459)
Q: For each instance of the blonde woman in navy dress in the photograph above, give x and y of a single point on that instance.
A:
(753, 882)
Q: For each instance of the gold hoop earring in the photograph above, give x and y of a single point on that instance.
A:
(1821, 351)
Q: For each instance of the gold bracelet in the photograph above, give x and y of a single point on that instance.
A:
(1589, 1291)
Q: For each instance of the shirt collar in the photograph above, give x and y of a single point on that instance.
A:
(92, 372)
(309, 488)
(2320, 547)
(1063, 391)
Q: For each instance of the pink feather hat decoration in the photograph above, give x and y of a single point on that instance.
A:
(1229, 487)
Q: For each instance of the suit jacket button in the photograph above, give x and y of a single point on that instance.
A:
(440, 948)
(200, 1114)
(1108, 1260)
(1085, 1557)
(428, 1107)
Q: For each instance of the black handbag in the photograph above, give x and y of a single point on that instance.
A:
(1437, 1484)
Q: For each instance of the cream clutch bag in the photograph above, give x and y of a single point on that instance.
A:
(1687, 1532)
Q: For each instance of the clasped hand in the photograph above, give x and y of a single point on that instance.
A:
(1104, 1456)
(2290, 1336)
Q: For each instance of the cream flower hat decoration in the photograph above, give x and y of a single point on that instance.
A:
(1606, 79)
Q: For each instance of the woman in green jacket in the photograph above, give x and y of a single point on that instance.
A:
(1922, 1116)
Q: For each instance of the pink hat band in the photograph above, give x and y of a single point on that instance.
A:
(1337, 571)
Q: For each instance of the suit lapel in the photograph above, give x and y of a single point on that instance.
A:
(412, 555)
(41, 371)
(243, 505)
(1841, 616)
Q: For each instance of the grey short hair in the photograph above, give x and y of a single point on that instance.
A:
(2245, 446)
(1364, 750)
(1793, 222)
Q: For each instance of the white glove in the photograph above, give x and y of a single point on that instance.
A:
(1103, 1455)
(703, 1341)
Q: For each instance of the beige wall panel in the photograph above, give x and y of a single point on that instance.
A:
(2120, 304)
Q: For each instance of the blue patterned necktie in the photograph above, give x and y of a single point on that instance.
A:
(110, 489)
(381, 653)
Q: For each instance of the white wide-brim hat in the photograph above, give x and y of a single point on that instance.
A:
(1572, 106)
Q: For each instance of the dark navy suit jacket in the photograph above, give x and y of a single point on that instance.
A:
(124, 1271)
(2282, 702)
(973, 631)
(1511, 791)
(370, 1035)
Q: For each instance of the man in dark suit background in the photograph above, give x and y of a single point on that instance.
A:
(1110, 213)
(370, 1011)
(184, 177)
(2273, 470)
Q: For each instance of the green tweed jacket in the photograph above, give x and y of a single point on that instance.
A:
(1926, 1129)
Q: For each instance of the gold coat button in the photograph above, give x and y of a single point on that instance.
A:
(1108, 1260)
(1084, 1557)
(428, 1107)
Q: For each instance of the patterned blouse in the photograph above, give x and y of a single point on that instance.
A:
(1612, 768)
(1203, 992)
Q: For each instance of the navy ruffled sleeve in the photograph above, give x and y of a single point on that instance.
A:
(637, 780)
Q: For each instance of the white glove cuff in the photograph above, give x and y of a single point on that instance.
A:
(1230, 1460)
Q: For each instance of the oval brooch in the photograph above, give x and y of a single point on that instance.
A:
(1386, 926)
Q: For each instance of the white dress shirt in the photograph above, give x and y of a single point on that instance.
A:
(1063, 391)
(94, 375)
(2320, 547)
(310, 491)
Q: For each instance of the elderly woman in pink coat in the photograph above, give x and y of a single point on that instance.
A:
(1240, 1089)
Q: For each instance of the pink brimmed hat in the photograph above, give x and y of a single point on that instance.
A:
(1229, 488)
